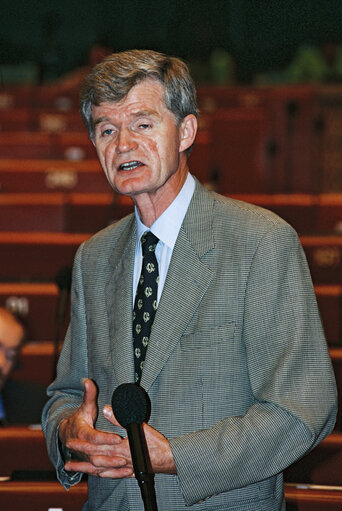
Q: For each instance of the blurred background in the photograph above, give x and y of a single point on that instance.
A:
(269, 86)
(45, 40)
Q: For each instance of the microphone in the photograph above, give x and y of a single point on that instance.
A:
(131, 406)
(63, 281)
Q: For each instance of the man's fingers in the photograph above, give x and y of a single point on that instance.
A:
(108, 413)
(87, 447)
(116, 467)
(96, 437)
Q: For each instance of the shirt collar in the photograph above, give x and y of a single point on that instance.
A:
(167, 226)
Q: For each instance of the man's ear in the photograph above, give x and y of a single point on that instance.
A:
(188, 130)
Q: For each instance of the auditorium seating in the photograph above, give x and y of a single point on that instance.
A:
(329, 214)
(51, 176)
(320, 466)
(48, 495)
(61, 212)
(269, 146)
(336, 357)
(36, 363)
(324, 254)
(28, 212)
(25, 144)
(36, 256)
(240, 155)
(46, 144)
(299, 210)
(313, 498)
(307, 213)
(22, 448)
(37, 301)
(329, 300)
(41, 496)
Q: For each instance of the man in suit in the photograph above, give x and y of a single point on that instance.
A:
(236, 365)
(20, 402)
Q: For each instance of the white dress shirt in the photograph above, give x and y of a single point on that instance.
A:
(166, 228)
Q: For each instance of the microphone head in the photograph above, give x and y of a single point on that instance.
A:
(130, 404)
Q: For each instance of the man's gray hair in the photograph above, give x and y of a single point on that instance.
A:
(112, 79)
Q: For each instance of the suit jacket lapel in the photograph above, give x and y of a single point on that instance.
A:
(119, 304)
(187, 281)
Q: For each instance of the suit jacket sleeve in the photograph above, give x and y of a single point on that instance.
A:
(291, 378)
(66, 391)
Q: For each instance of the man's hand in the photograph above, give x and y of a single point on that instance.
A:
(102, 454)
(158, 447)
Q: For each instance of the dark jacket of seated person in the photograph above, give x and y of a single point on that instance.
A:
(21, 402)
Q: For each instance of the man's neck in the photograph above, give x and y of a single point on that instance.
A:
(152, 205)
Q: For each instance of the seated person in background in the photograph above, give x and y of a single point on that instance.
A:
(20, 402)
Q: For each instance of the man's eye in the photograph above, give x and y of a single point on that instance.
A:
(145, 125)
(107, 132)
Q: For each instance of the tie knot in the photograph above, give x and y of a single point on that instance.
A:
(148, 242)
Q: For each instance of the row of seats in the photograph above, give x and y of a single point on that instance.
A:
(48, 119)
(64, 212)
(76, 213)
(38, 302)
(37, 365)
(249, 142)
(38, 256)
(50, 495)
(71, 145)
(250, 139)
(23, 448)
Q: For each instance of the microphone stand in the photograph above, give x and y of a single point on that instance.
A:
(131, 406)
(142, 466)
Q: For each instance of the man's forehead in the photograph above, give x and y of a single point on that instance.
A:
(146, 97)
(104, 111)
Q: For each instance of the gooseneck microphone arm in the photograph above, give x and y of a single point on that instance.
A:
(131, 406)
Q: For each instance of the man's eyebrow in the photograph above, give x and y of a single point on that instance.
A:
(136, 115)
(145, 113)
(99, 120)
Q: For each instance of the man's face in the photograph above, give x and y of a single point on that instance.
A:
(139, 145)
(11, 334)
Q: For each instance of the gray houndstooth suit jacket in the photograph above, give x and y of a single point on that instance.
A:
(237, 367)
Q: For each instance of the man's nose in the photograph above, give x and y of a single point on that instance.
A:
(125, 141)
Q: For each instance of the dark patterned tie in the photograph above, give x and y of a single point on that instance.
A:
(145, 304)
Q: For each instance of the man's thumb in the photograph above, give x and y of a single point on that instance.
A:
(90, 397)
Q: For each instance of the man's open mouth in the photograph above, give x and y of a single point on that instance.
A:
(131, 165)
